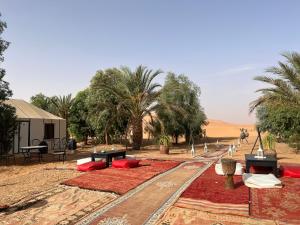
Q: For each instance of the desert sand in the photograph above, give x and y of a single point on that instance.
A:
(24, 181)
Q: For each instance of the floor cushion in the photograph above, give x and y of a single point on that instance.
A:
(238, 170)
(290, 171)
(89, 166)
(261, 180)
(125, 163)
(84, 160)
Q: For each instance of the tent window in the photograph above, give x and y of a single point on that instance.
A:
(49, 131)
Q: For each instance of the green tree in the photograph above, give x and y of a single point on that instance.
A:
(8, 118)
(279, 105)
(137, 93)
(283, 83)
(79, 117)
(62, 107)
(107, 114)
(282, 121)
(179, 108)
(42, 101)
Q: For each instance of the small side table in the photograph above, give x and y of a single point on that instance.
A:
(268, 161)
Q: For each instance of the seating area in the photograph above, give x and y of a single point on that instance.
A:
(56, 148)
(119, 180)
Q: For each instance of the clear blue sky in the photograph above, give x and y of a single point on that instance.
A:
(58, 45)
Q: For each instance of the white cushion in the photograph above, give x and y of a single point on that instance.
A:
(238, 169)
(86, 160)
(261, 180)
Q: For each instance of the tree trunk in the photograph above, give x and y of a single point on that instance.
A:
(187, 137)
(176, 139)
(137, 133)
(107, 139)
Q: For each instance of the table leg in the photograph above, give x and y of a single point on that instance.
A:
(124, 155)
(107, 161)
(93, 158)
(247, 167)
(275, 171)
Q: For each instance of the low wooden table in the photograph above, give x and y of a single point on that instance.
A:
(108, 155)
(268, 161)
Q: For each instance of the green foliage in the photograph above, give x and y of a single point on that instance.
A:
(164, 140)
(43, 102)
(269, 142)
(136, 95)
(8, 118)
(278, 106)
(8, 125)
(283, 83)
(179, 109)
(282, 121)
(107, 114)
(79, 125)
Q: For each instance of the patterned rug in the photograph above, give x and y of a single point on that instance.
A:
(143, 204)
(59, 205)
(121, 181)
(208, 193)
(278, 204)
(180, 216)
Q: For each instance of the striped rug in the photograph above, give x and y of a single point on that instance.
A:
(207, 206)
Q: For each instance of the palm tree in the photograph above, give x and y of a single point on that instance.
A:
(285, 88)
(138, 95)
(62, 107)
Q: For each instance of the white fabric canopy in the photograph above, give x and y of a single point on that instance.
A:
(27, 111)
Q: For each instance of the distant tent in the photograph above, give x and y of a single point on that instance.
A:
(35, 123)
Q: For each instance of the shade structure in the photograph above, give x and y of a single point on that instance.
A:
(36, 124)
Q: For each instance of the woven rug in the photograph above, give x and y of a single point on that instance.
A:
(184, 216)
(142, 204)
(121, 181)
(208, 193)
(282, 204)
(60, 205)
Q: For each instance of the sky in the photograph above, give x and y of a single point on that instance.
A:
(57, 46)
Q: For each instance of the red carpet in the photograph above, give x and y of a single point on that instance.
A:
(121, 181)
(207, 193)
(210, 186)
(278, 204)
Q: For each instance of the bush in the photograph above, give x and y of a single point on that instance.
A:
(269, 142)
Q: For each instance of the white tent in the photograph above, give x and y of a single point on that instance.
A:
(35, 123)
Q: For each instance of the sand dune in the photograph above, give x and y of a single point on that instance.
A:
(218, 128)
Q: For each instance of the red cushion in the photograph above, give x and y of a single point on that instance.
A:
(290, 171)
(125, 163)
(89, 166)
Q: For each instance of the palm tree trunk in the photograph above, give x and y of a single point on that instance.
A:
(187, 136)
(137, 133)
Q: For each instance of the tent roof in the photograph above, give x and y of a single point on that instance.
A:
(25, 110)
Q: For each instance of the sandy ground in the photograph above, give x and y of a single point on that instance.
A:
(24, 180)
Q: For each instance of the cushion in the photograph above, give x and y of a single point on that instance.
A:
(290, 171)
(238, 170)
(89, 166)
(125, 163)
(261, 180)
(85, 160)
